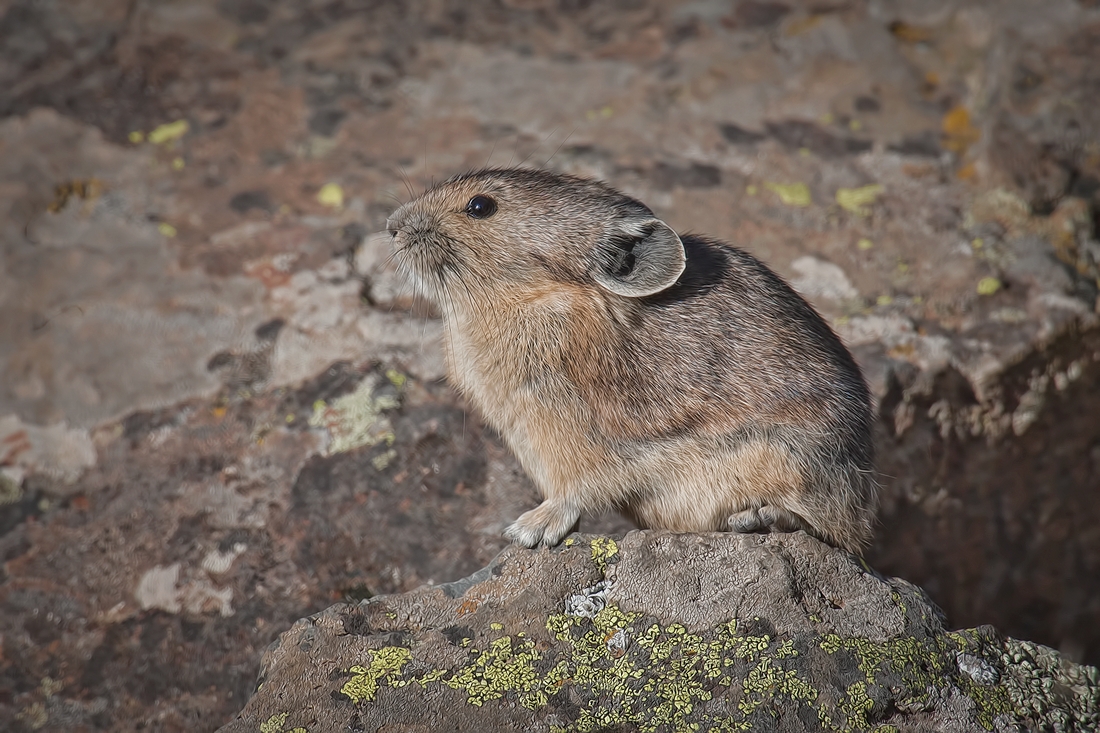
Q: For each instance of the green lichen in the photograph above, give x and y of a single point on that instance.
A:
(34, 716)
(918, 662)
(991, 701)
(382, 460)
(1039, 683)
(960, 641)
(917, 667)
(10, 490)
(914, 666)
(357, 419)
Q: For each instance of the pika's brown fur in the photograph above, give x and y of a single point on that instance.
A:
(677, 379)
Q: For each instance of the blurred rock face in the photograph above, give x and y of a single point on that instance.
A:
(220, 409)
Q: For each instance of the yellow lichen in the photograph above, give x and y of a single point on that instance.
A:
(386, 663)
(168, 132)
(397, 379)
(749, 647)
(86, 189)
(35, 716)
(601, 113)
(274, 724)
(858, 200)
(988, 286)
(990, 701)
(786, 649)
(603, 549)
(660, 674)
(648, 675)
(50, 686)
(507, 666)
(857, 705)
(10, 490)
(792, 194)
(382, 460)
(767, 681)
(331, 195)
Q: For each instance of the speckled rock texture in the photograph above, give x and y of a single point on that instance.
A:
(221, 411)
(663, 632)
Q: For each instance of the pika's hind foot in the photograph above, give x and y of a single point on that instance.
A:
(767, 518)
(546, 524)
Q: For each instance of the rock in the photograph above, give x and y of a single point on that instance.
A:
(662, 631)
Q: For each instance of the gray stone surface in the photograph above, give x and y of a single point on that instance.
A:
(202, 436)
(658, 632)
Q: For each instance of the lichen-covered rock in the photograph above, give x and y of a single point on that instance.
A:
(663, 632)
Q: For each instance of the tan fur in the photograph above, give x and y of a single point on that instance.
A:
(595, 392)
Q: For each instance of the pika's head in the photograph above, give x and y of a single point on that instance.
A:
(493, 228)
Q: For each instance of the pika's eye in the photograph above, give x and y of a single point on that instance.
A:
(481, 207)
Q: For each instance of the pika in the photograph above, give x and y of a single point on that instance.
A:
(672, 377)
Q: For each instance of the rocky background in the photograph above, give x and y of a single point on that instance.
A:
(221, 410)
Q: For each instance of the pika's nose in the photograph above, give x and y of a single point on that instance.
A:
(396, 220)
(411, 220)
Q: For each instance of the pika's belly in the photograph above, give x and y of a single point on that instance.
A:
(695, 488)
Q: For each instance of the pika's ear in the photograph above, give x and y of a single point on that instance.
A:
(639, 257)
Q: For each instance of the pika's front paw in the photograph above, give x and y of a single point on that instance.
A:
(546, 524)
